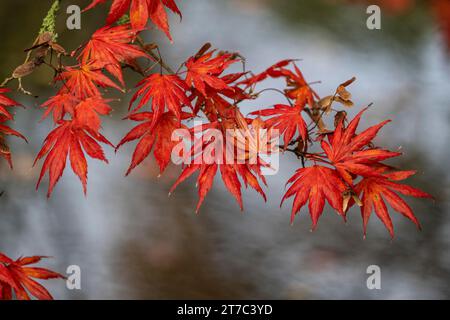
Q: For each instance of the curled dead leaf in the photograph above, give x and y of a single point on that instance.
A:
(340, 116)
(344, 102)
(202, 50)
(24, 70)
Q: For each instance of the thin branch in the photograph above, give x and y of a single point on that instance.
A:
(154, 56)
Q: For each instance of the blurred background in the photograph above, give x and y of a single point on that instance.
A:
(133, 242)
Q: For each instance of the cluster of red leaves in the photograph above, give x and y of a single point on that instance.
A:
(79, 103)
(204, 89)
(16, 278)
(347, 171)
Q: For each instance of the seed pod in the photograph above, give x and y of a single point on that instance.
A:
(202, 50)
(344, 102)
(340, 116)
(24, 70)
(343, 93)
(150, 46)
(41, 52)
(58, 48)
(45, 37)
(348, 82)
(325, 103)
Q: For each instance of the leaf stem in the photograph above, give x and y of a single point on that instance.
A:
(157, 58)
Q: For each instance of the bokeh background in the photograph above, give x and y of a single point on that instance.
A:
(133, 242)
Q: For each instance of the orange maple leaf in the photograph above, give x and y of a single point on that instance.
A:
(87, 111)
(203, 72)
(111, 46)
(287, 119)
(374, 191)
(164, 91)
(315, 183)
(82, 81)
(349, 152)
(59, 105)
(157, 137)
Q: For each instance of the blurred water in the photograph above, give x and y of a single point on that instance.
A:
(131, 241)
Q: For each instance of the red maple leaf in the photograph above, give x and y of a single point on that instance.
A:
(16, 277)
(229, 173)
(157, 137)
(375, 191)
(209, 155)
(349, 152)
(6, 102)
(315, 183)
(164, 91)
(111, 46)
(68, 139)
(287, 119)
(140, 12)
(299, 90)
(275, 71)
(5, 115)
(87, 111)
(8, 131)
(203, 72)
(59, 105)
(82, 81)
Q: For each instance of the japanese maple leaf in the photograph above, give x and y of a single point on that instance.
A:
(229, 174)
(316, 184)
(207, 163)
(157, 137)
(8, 131)
(68, 139)
(59, 105)
(215, 100)
(164, 91)
(299, 90)
(111, 46)
(287, 119)
(5, 115)
(349, 152)
(203, 72)
(233, 91)
(82, 81)
(375, 191)
(87, 111)
(140, 12)
(6, 102)
(215, 105)
(275, 71)
(17, 277)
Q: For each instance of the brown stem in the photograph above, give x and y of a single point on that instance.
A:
(154, 56)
